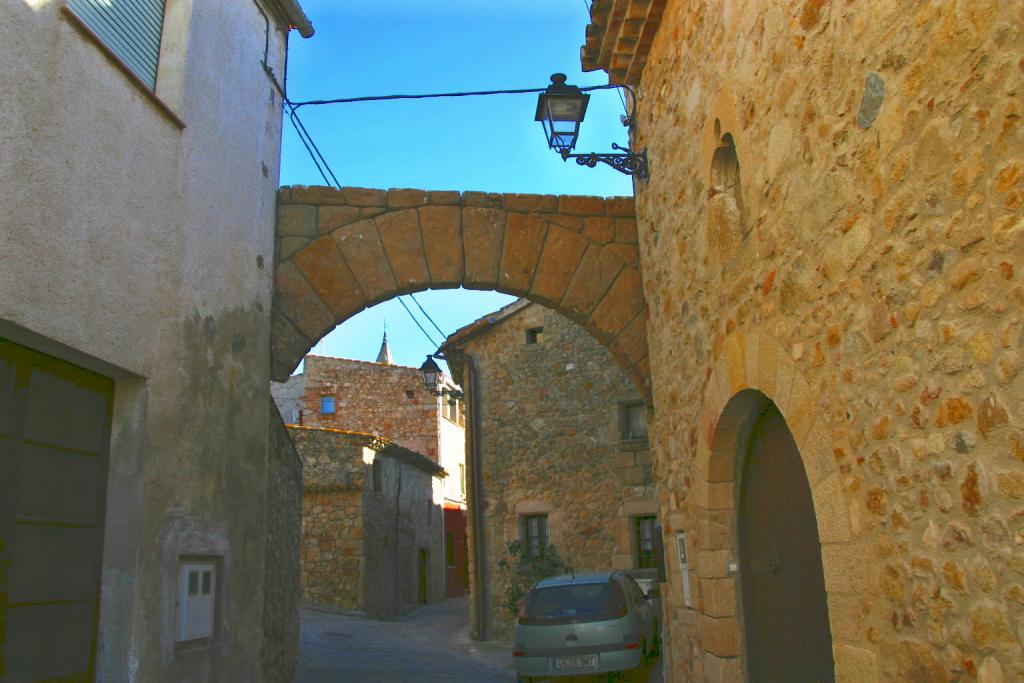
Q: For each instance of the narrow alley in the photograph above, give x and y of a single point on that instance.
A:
(431, 644)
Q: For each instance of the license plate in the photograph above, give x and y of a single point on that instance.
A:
(576, 662)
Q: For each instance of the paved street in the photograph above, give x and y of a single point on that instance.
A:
(431, 644)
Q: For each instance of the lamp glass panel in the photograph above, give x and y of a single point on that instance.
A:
(565, 108)
(563, 141)
(561, 134)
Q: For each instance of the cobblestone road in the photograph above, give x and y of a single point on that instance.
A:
(430, 645)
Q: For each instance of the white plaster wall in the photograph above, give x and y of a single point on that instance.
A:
(127, 241)
(451, 453)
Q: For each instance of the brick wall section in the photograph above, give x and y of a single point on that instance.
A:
(340, 251)
(370, 398)
(551, 443)
(872, 290)
(331, 550)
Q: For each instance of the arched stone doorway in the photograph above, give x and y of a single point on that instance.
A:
(340, 251)
(786, 634)
(753, 373)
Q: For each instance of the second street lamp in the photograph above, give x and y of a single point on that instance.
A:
(561, 109)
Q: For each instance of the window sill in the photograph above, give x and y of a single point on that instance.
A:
(168, 113)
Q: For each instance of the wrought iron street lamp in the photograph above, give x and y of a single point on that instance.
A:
(431, 373)
(432, 378)
(561, 109)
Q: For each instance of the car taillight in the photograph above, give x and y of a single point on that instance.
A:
(632, 641)
(521, 616)
(518, 650)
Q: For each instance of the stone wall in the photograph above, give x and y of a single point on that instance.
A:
(331, 550)
(281, 587)
(834, 220)
(402, 519)
(372, 398)
(551, 443)
(360, 545)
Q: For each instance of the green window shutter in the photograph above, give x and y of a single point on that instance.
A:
(131, 28)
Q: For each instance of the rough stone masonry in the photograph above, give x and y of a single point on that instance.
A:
(862, 164)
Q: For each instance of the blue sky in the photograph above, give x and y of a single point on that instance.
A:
(482, 143)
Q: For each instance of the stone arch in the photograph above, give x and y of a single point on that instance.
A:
(341, 251)
(750, 370)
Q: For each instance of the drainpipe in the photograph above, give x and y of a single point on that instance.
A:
(476, 499)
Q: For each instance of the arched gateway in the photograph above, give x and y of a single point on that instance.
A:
(340, 251)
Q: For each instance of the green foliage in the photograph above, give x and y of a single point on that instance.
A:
(520, 570)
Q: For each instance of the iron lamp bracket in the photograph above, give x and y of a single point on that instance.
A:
(628, 162)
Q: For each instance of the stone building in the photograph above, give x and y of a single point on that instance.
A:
(393, 402)
(831, 242)
(139, 159)
(378, 398)
(372, 523)
(562, 451)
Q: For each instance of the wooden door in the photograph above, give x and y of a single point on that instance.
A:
(423, 577)
(54, 438)
(785, 614)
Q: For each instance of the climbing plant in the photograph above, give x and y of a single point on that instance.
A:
(520, 569)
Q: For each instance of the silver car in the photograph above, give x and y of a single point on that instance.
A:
(582, 624)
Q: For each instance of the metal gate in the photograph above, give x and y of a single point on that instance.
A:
(785, 613)
(54, 442)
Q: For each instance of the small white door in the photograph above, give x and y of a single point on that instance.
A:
(196, 599)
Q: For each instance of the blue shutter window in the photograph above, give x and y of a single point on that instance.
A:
(130, 28)
(327, 405)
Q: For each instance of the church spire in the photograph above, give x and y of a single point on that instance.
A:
(384, 356)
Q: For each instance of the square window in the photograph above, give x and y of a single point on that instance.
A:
(535, 335)
(644, 541)
(410, 394)
(535, 534)
(326, 405)
(632, 420)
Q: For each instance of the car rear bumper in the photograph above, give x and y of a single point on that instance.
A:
(615, 660)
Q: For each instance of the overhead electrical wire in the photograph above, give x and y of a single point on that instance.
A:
(324, 168)
(314, 151)
(427, 96)
(429, 338)
(424, 312)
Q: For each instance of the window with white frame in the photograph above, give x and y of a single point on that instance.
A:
(131, 29)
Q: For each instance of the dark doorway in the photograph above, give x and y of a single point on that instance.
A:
(54, 440)
(423, 593)
(785, 614)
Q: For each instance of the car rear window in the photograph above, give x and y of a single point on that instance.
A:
(574, 603)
